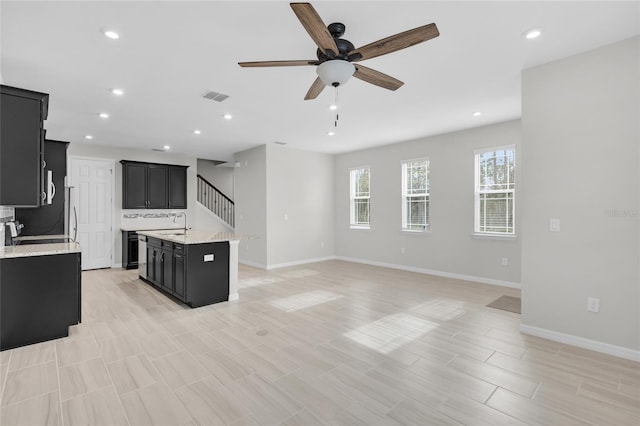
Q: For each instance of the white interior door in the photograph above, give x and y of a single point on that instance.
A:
(91, 208)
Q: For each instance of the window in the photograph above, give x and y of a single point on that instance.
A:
(360, 197)
(495, 190)
(415, 195)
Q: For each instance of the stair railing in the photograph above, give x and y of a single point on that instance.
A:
(213, 199)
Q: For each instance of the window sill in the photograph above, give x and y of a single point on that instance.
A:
(360, 227)
(415, 232)
(486, 236)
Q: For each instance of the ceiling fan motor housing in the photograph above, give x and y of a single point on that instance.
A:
(344, 46)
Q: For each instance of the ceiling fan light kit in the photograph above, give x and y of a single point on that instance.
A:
(336, 72)
(335, 54)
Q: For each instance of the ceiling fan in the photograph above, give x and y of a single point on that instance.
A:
(335, 55)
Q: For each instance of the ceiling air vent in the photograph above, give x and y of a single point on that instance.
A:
(214, 96)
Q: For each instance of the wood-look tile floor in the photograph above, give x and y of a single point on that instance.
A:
(325, 343)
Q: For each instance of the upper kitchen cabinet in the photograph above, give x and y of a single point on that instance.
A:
(177, 187)
(22, 115)
(153, 186)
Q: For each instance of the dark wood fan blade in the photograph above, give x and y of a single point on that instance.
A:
(395, 42)
(314, 90)
(376, 77)
(318, 31)
(278, 63)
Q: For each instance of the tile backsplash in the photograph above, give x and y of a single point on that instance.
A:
(144, 219)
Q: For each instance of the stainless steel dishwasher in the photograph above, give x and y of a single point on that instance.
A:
(142, 256)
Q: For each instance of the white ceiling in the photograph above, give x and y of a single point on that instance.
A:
(171, 52)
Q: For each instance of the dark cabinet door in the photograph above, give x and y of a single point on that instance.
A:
(134, 194)
(177, 187)
(151, 263)
(40, 298)
(167, 270)
(157, 179)
(158, 266)
(178, 275)
(21, 165)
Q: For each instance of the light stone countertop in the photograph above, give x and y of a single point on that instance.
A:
(28, 250)
(24, 238)
(194, 236)
(148, 228)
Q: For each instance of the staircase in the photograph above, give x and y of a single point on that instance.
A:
(211, 197)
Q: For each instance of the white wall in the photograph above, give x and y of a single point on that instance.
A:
(117, 154)
(300, 206)
(273, 181)
(580, 119)
(220, 176)
(251, 204)
(450, 248)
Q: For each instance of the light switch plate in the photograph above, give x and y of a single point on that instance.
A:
(208, 257)
(554, 225)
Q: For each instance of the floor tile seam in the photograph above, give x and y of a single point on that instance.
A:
(63, 400)
(621, 406)
(71, 364)
(40, 395)
(60, 406)
(486, 404)
(31, 365)
(115, 388)
(4, 380)
(538, 382)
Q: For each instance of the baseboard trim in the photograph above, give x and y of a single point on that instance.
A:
(234, 296)
(253, 264)
(299, 262)
(581, 342)
(482, 280)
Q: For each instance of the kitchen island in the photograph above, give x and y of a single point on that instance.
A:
(40, 292)
(196, 267)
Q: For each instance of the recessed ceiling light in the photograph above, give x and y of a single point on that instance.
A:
(118, 92)
(333, 107)
(197, 132)
(112, 34)
(88, 137)
(103, 115)
(166, 147)
(477, 114)
(531, 34)
(228, 116)
(331, 133)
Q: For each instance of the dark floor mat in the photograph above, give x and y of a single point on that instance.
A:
(506, 303)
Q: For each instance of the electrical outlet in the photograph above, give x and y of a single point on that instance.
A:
(505, 261)
(593, 304)
(554, 225)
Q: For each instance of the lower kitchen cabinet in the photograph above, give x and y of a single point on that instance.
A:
(178, 275)
(129, 249)
(196, 274)
(39, 298)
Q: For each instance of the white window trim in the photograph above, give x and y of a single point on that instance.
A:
(427, 229)
(476, 195)
(352, 225)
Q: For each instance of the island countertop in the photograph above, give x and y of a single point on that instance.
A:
(194, 236)
(27, 250)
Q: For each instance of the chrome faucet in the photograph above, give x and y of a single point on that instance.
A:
(185, 220)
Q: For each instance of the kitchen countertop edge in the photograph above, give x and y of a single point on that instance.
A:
(29, 250)
(195, 236)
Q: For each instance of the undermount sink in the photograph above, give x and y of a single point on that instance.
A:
(173, 234)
